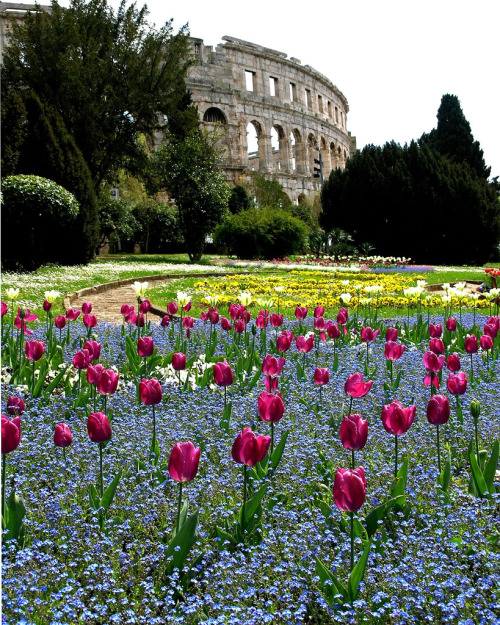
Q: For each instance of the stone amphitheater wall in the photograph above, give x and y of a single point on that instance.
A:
(296, 113)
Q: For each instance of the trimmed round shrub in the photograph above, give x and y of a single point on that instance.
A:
(262, 233)
(37, 215)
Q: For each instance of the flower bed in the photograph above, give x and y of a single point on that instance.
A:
(433, 556)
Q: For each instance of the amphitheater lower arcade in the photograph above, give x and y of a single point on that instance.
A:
(274, 114)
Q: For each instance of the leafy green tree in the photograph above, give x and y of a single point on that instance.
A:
(112, 78)
(453, 137)
(239, 199)
(189, 170)
(116, 219)
(13, 133)
(267, 192)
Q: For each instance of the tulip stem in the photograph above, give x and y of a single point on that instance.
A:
(272, 437)
(367, 344)
(352, 459)
(179, 502)
(390, 367)
(396, 460)
(244, 501)
(352, 541)
(477, 440)
(4, 467)
(64, 455)
(225, 397)
(439, 449)
(100, 468)
(154, 432)
(33, 381)
(471, 369)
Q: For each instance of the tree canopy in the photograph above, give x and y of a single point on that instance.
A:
(114, 80)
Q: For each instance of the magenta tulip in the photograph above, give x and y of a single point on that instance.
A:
(126, 309)
(107, 382)
(272, 365)
(353, 432)
(82, 359)
(60, 322)
(47, 306)
(438, 410)
(150, 392)
(239, 326)
(72, 314)
(457, 384)
(179, 361)
(451, 324)
(393, 351)
(98, 427)
(172, 308)
(283, 343)
(396, 419)
(453, 362)
(319, 323)
(319, 311)
(34, 350)
(349, 489)
(355, 386)
(271, 383)
(435, 331)
(304, 345)
(22, 321)
(183, 462)
(276, 320)
(391, 335)
(436, 346)
(223, 374)
(432, 362)
(165, 321)
(342, 316)
(93, 373)
(301, 312)
(5, 308)
(145, 307)
(15, 406)
(94, 349)
(187, 307)
(225, 324)
(321, 376)
(368, 335)
(11, 434)
(333, 331)
(271, 407)
(62, 435)
(145, 346)
(86, 308)
(486, 342)
(248, 448)
(89, 321)
(471, 345)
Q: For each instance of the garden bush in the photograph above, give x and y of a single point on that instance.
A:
(37, 217)
(262, 233)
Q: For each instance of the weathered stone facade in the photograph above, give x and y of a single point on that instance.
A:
(292, 107)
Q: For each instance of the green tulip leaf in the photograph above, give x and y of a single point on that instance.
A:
(42, 375)
(226, 416)
(358, 573)
(185, 539)
(55, 381)
(481, 487)
(15, 512)
(255, 379)
(300, 372)
(491, 467)
(379, 513)
(109, 493)
(278, 451)
(182, 516)
(251, 506)
(330, 585)
(444, 477)
(226, 536)
(95, 502)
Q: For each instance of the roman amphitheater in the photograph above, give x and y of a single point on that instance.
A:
(275, 114)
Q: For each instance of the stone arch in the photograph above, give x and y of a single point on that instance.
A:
(312, 153)
(214, 115)
(280, 151)
(254, 144)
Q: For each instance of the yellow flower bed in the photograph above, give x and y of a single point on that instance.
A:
(315, 288)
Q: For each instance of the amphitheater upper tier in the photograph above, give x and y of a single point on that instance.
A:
(275, 113)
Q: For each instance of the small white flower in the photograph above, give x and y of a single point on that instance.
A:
(345, 298)
(279, 289)
(212, 300)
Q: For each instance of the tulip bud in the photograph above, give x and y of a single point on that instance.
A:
(86, 308)
(145, 346)
(15, 406)
(391, 334)
(11, 434)
(396, 419)
(98, 427)
(271, 407)
(451, 324)
(475, 409)
(223, 374)
(438, 410)
(249, 449)
(47, 306)
(321, 376)
(150, 392)
(355, 386)
(179, 361)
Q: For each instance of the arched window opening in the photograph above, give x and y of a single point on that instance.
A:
(253, 132)
(214, 115)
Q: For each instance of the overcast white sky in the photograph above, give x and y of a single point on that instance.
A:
(392, 59)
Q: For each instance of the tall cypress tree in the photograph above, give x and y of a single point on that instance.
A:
(453, 137)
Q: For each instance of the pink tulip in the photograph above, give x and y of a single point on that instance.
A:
(145, 346)
(72, 314)
(319, 323)
(172, 308)
(471, 345)
(47, 306)
(187, 307)
(15, 406)
(368, 335)
(319, 311)
(179, 361)
(94, 349)
(93, 373)
(355, 386)
(486, 342)
(396, 419)
(301, 312)
(5, 308)
(183, 462)
(453, 362)
(435, 331)
(249, 449)
(272, 366)
(260, 322)
(283, 343)
(145, 307)
(304, 345)
(86, 308)
(438, 410)
(150, 392)
(353, 432)
(225, 324)
(437, 346)
(394, 351)
(492, 326)
(457, 384)
(223, 374)
(62, 435)
(126, 309)
(349, 489)
(391, 335)
(140, 320)
(107, 383)
(89, 321)
(34, 350)
(82, 359)
(60, 322)
(239, 326)
(451, 324)
(271, 383)
(276, 320)
(321, 376)
(28, 318)
(98, 427)
(342, 316)
(333, 331)
(11, 433)
(271, 407)
(432, 362)
(165, 321)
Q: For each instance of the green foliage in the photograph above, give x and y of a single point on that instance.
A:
(47, 150)
(158, 229)
(116, 219)
(438, 198)
(453, 137)
(267, 193)
(188, 170)
(112, 77)
(239, 200)
(37, 214)
(13, 116)
(262, 233)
